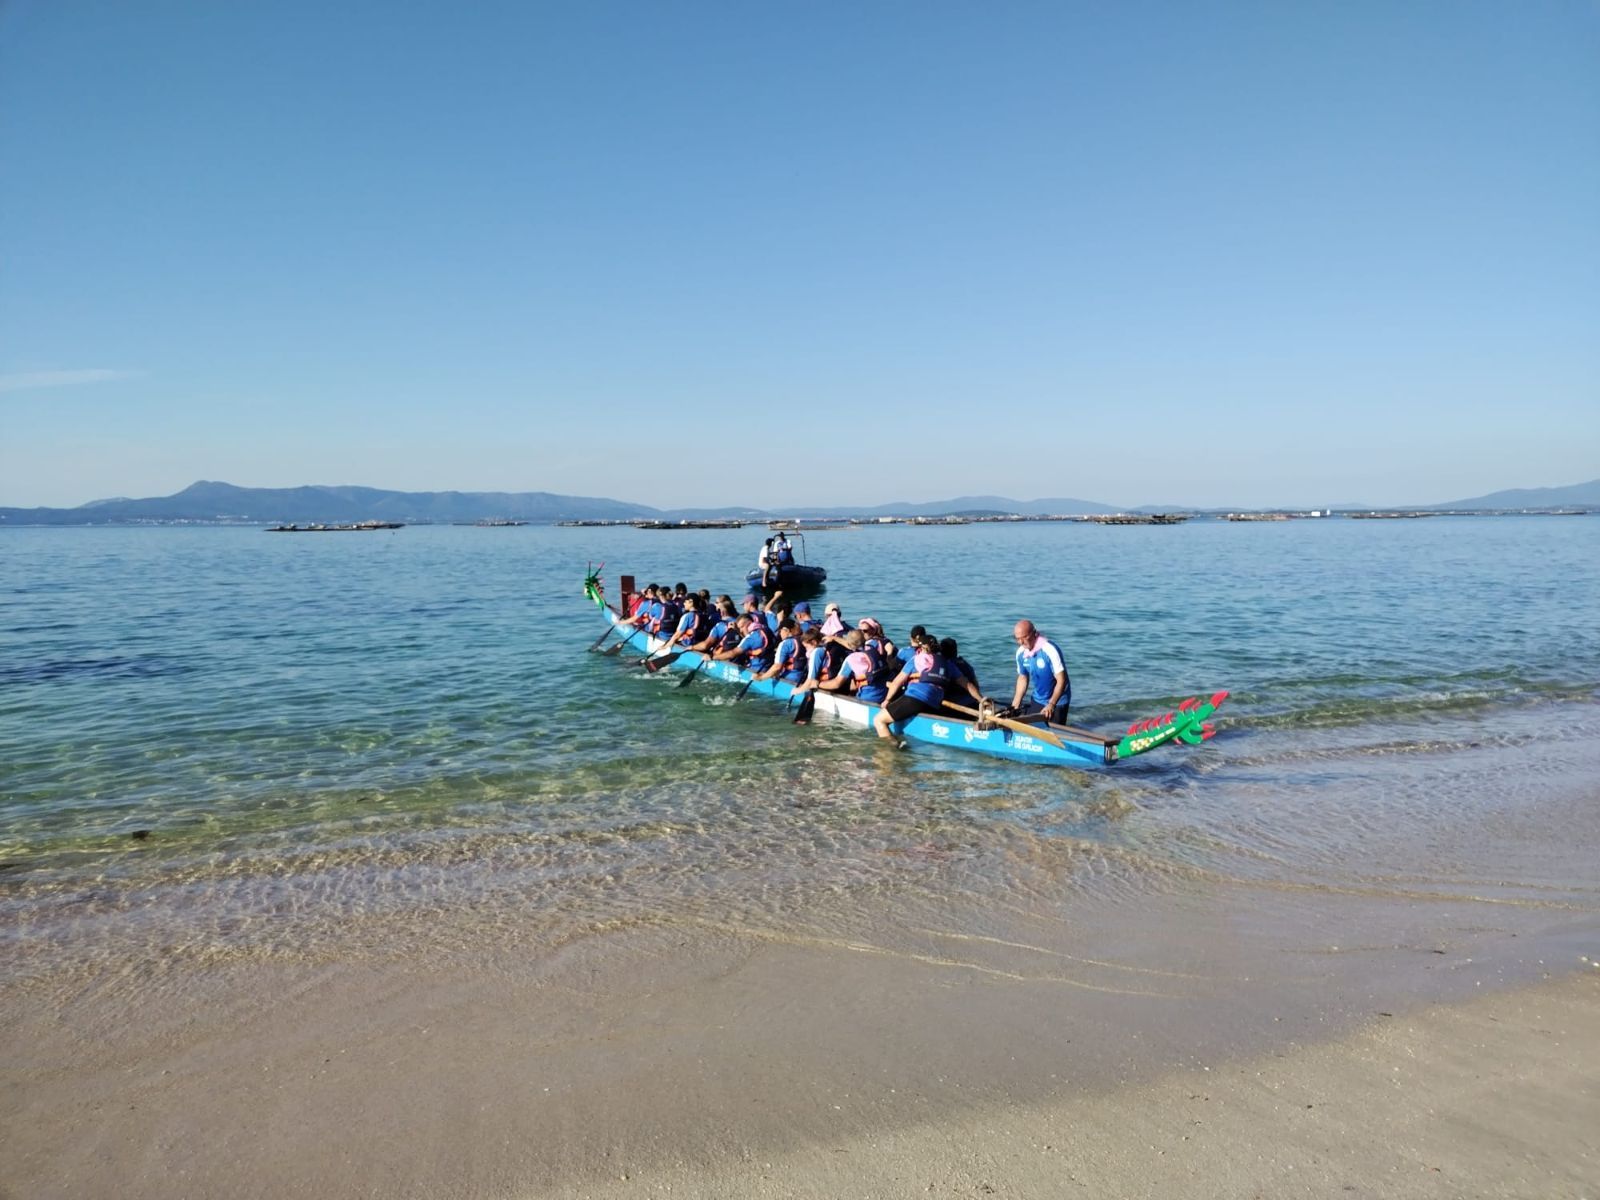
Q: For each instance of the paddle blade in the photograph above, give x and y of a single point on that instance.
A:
(807, 706)
(660, 664)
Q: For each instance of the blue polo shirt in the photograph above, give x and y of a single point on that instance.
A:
(1039, 666)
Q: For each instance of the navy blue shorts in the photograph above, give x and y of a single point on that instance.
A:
(904, 707)
(1032, 709)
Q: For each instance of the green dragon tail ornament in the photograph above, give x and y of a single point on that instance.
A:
(1187, 723)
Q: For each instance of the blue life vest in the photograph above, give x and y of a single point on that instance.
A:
(931, 682)
(758, 658)
(791, 661)
(696, 630)
(873, 686)
(667, 622)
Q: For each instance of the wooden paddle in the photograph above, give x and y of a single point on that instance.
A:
(1072, 729)
(1044, 735)
(744, 689)
(808, 705)
(610, 629)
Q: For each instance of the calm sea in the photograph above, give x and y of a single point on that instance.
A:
(215, 742)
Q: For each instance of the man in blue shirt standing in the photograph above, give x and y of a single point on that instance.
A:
(1041, 675)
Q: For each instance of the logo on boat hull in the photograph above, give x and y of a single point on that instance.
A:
(940, 731)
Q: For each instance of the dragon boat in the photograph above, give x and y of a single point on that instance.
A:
(1041, 742)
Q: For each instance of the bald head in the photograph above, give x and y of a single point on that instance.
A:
(1024, 633)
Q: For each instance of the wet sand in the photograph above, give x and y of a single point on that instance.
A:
(1497, 1097)
(1172, 1051)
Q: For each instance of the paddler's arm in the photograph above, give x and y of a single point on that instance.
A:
(675, 639)
(1056, 694)
(778, 666)
(837, 684)
(812, 663)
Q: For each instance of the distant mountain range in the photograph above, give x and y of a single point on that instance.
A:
(223, 503)
(1577, 495)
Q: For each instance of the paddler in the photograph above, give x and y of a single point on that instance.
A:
(802, 616)
(915, 635)
(959, 666)
(918, 688)
(818, 671)
(789, 659)
(833, 622)
(776, 613)
(721, 626)
(667, 612)
(861, 672)
(872, 630)
(754, 648)
(752, 608)
(690, 626)
(639, 606)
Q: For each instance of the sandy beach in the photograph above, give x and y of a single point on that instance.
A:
(659, 1062)
(1498, 1097)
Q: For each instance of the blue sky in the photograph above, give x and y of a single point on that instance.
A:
(704, 254)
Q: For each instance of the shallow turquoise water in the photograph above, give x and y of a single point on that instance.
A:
(215, 730)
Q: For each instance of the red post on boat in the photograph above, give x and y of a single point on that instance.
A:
(625, 583)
